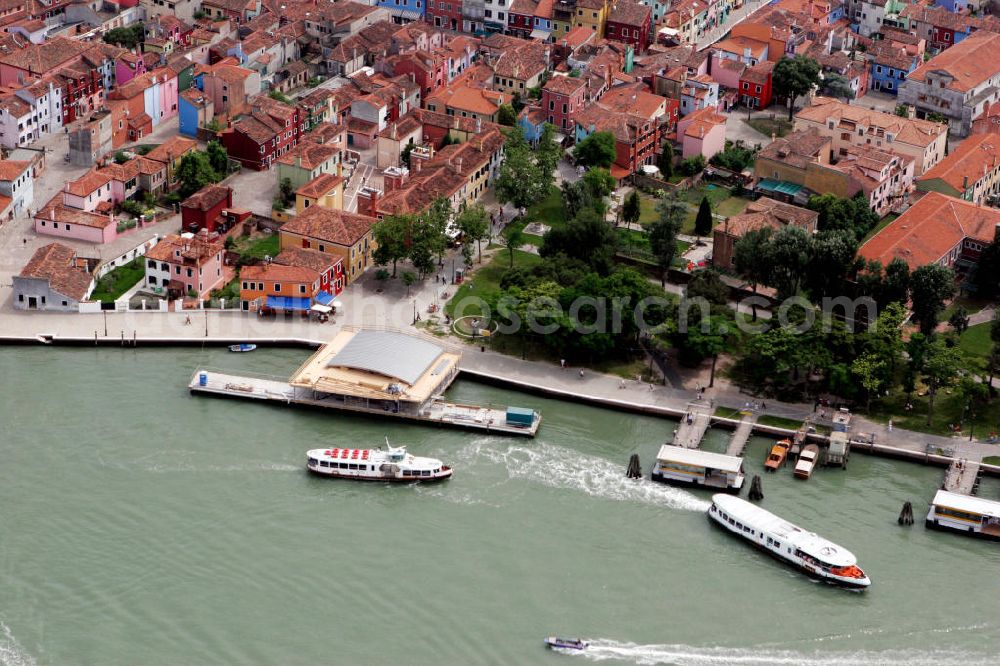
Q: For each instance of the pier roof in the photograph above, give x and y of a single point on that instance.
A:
(983, 507)
(697, 458)
(386, 353)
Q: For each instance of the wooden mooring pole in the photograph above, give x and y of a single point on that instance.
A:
(756, 489)
(634, 469)
(906, 515)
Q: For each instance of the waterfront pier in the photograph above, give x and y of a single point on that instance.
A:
(692, 429)
(738, 442)
(961, 477)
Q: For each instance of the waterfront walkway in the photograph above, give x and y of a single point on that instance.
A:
(961, 477)
(217, 328)
(741, 436)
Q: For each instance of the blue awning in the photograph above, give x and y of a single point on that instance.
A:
(287, 303)
(323, 298)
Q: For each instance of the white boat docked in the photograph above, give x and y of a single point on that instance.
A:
(776, 536)
(390, 464)
(681, 466)
(975, 516)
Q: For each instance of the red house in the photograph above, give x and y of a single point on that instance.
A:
(330, 267)
(428, 69)
(271, 130)
(562, 96)
(445, 14)
(203, 209)
(755, 85)
(631, 23)
(521, 18)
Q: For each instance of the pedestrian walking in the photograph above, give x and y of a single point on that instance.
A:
(763, 406)
(711, 403)
(890, 425)
(581, 373)
(562, 363)
(621, 384)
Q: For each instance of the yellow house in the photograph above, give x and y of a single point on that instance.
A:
(593, 14)
(346, 235)
(325, 191)
(308, 160)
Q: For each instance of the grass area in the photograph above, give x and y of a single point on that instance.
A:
(779, 422)
(971, 305)
(257, 247)
(230, 291)
(715, 194)
(624, 368)
(486, 280)
(549, 210)
(883, 223)
(110, 287)
(992, 460)
(768, 126)
(949, 408)
(731, 206)
(633, 238)
(647, 211)
(976, 340)
(727, 413)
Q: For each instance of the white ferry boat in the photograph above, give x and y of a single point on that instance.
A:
(391, 464)
(805, 550)
(693, 467)
(973, 515)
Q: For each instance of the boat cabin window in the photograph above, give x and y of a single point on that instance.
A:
(953, 513)
(426, 472)
(312, 461)
(732, 521)
(739, 525)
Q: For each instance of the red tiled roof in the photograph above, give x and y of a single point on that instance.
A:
(334, 226)
(971, 161)
(207, 197)
(279, 273)
(320, 185)
(57, 263)
(87, 183)
(930, 229)
(11, 169)
(969, 63)
(311, 259)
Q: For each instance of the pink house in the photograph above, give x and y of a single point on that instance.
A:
(59, 220)
(165, 90)
(124, 179)
(726, 71)
(129, 66)
(89, 191)
(184, 264)
(702, 132)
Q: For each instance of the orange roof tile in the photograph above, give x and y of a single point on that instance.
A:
(969, 63)
(968, 163)
(57, 263)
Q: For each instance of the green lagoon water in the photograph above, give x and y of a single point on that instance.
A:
(142, 525)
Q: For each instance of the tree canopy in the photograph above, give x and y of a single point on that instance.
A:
(703, 222)
(598, 149)
(930, 287)
(794, 77)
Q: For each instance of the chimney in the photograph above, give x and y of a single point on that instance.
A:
(458, 165)
(479, 125)
(965, 182)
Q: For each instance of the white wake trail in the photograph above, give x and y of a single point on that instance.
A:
(12, 653)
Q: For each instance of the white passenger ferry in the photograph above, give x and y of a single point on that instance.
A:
(805, 550)
(973, 515)
(391, 464)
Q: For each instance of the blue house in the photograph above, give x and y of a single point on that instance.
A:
(889, 69)
(532, 121)
(956, 6)
(194, 110)
(404, 11)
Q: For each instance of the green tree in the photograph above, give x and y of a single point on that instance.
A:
(789, 251)
(663, 232)
(794, 77)
(437, 216)
(836, 213)
(707, 283)
(632, 208)
(987, 273)
(835, 85)
(512, 238)
(128, 38)
(736, 157)
(218, 158)
(576, 196)
(751, 261)
(598, 149)
(693, 165)
(279, 96)
(897, 283)
(586, 237)
(423, 246)
(599, 181)
(408, 279)
(940, 367)
(506, 115)
(930, 287)
(121, 158)
(870, 371)
(287, 191)
(474, 223)
(974, 395)
(708, 339)
(665, 161)
(703, 222)
(959, 320)
(832, 259)
(523, 179)
(194, 173)
(392, 239)
(902, 110)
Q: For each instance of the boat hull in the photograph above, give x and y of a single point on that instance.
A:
(685, 483)
(808, 571)
(385, 479)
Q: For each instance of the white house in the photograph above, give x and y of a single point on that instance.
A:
(17, 188)
(17, 127)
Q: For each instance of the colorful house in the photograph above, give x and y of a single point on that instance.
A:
(325, 191)
(755, 85)
(630, 22)
(273, 286)
(204, 208)
(308, 160)
(54, 279)
(185, 265)
(337, 232)
(329, 267)
(561, 97)
(702, 132)
(889, 68)
(593, 14)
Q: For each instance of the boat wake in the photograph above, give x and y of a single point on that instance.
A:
(12, 653)
(560, 467)
(688, 655)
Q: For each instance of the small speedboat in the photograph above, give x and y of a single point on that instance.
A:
(568, 643)
(245, 347)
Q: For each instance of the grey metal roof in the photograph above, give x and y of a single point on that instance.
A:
(395, 355)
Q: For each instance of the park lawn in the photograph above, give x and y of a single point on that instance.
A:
(530, 239)
(728, 413)
(948, 410)
(549, 210)
(715, 194)
(647, 211)
(731, 206)
(486, 280)
(992, 460)
(971, 305)
(633, 238)
(882, 224)
(975, 341)
(258, 247)
(629, 368)
(110, 287)
(769, 126)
